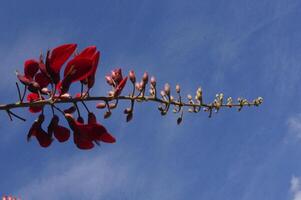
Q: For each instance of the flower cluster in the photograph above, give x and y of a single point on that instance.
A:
(80, 67)
(49, 85)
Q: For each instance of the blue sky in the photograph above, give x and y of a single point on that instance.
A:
(241, 48)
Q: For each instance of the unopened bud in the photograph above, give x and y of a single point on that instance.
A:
(167, 88)
(66, 96)
(112, 105)
(129, 117)
(137, 85)
(107, 114)
(162, 93)
(101, 105)
(178, 89)
(189, 97)
(153, 81)
(111, 93)
(109, 80)
(145, 78)
(132, 76)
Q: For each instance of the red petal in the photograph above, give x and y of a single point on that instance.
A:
(23, 79)
(42, 79)
(98, 131)
(87, 52)
(120, 87)
(91, 78)
(31, 67)
(91, 118)
(60, 55)
(78, 69)
(43, 138)
(106, 137)
(61, 133)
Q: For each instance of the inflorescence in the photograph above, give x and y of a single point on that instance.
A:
(42, 78)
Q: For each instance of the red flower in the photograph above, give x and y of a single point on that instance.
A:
(32, 85)
(85, 134)
(32, 97)
(56, 58)
(90, 53)
(42, 136)
(99, 132)
(77, 69)
(31, 67)
(61, 133)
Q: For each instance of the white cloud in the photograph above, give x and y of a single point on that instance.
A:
(294, 125)
(80, 177)
(296, 188)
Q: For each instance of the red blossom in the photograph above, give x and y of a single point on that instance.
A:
(85, 134)
(31, 67)
(61, 133)
(56, 58)
(42, 136)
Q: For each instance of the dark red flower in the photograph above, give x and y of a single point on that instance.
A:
(32, 85)
(31, 67)
(60, 55)
(77, 69)
(90, 53)
(56, 58)
(61, 133)
(42, 136)
(32, 97)
(81, 133)
(99, 132)
(85, 134)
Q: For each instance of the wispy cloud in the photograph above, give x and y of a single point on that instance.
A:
(296, 188)
(294, 125)
(84, 178)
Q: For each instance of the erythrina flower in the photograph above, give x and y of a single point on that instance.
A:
(56, 58)
(61, 133)
(99, 132)
(85, 134)
(36, 130)
(81, 136)
(32, 97)
(32, 85)
(90, 53)
(31, 67)
(77, 69)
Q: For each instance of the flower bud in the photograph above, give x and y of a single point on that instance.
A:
(178, 89)
(132, 76)
(109, 80)
(163, 93)
(138, 87)
(145, 78)
(153, 81)
(189, 97)
(107, 114)
(101, 105)
(167, 88)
